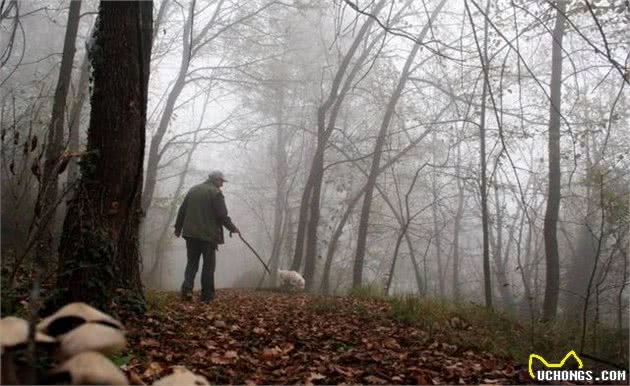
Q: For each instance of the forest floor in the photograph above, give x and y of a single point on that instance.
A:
(265, 337)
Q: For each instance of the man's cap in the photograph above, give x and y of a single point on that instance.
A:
(217, 175)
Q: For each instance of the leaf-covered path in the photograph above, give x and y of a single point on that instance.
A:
(274, 338)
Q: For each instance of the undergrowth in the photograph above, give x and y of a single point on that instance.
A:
(476, 327)
(160, 300)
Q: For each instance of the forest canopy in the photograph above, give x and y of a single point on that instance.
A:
(474, 152)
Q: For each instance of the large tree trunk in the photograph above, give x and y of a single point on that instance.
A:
(357, 277)
(99, 257)
(45, 210)
(552, 278)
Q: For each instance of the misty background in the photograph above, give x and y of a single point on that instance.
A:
(260, 89)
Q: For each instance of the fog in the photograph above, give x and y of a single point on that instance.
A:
(390, 108)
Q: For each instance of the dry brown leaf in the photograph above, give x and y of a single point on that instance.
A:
(287, 348)
(345, 371)
(271, 353)
(152, 370)
(150, 342)
(374, 380)
(391, 344)
(314, 377)
(210, 345)
(423, 379)
(376, 357)
(229, 346)
(219, 359)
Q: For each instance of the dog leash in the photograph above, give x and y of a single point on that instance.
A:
(255, 253)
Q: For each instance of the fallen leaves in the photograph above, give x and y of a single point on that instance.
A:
(374, 380)
(391, 343)
(153, 370)
(227, 357)
(248, 337)
(150, 342)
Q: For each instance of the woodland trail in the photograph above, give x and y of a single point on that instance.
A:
(262, 337)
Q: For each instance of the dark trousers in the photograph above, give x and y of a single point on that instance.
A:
(195, 249)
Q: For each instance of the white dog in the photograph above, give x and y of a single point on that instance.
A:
(290, 280)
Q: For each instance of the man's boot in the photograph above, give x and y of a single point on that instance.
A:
(186, 294)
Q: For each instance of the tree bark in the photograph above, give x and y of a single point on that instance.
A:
(75, 120)
(99, 256)
(47, 197)
(552, 275)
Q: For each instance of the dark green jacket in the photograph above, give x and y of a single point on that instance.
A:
(203, 214)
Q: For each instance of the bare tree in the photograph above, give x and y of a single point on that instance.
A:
(435, 212)
(155, 272)
(357, 278)
(54, 162)
(552, 278)
(192, 47)
(457, 224)
(483, 183)
(408, 218)
(306, 237)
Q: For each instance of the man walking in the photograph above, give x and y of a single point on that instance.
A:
(200, 220)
